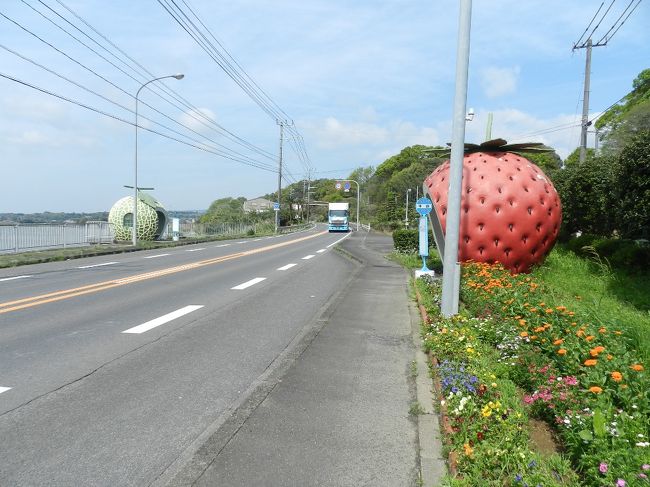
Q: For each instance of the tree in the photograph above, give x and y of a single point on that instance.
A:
(640, 94)
(225, 210)
(573, 159)
(632, 175)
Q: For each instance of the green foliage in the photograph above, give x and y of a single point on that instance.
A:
(225, 210)
(640, 94)
(632, 174)
(406, 241)
(549, 162)
(586, 193)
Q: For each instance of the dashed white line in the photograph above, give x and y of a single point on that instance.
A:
(4, 389)
(285, 267)
(250, 283)
(222, 245)
(307, 257)
(342, 238)
(321, 251)
(96, 265)
(155, 256)
(14, 278)
(163, 319)
(194, 250)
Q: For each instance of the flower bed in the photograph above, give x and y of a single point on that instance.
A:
(581, 378)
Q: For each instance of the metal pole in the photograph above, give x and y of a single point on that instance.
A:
(406, 215)
(585, 105)
(277, 213)
(449, 305)
(134, 231)
(358, 203)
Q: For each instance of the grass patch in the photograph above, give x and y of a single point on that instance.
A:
(599, 294)
(414, 261)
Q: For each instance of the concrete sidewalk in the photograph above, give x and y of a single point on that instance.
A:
(339, 415)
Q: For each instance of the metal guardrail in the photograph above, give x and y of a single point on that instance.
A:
(44, 236)
(30, 237)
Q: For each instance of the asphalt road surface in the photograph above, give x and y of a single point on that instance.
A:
(112, 367)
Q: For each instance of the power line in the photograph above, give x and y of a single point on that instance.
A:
(587, 28)
(119, 119)
(607, 39)
(193, 110)
(233, 153)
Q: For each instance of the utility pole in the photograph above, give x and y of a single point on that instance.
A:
(277, 213)
(308, 192)
(488, 127)
(585, 105)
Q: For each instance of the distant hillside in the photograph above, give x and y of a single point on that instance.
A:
(51, 217)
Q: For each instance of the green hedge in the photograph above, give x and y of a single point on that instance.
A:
(405, 241)
(631, 255)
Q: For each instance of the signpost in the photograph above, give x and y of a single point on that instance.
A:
(424, 206)
(276, 208)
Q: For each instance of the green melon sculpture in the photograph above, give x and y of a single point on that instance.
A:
(152, 218)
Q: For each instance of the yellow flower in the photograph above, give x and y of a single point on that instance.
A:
(468, 449)
(595, 389)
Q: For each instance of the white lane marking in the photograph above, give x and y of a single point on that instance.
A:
(4, 389)
(163, 319)
(96, 265)
(245, 241)
(307, 257)
(222, 245)
(321, 251)
(194, 250)
(13, 278)
(343, 238)
(155, 256)
(269, 237)
(285, 267)
(250, 283)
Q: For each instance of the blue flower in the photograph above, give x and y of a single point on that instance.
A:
(532, 464)
(518, 478)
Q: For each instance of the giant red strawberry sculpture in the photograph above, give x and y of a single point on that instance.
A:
(510, 211)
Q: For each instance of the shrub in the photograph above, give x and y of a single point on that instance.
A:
(405, 241)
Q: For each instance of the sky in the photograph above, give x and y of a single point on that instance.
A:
(358, 80)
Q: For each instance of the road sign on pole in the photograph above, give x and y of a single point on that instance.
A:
(424, 207)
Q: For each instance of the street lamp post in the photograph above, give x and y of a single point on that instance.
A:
(134, 231)
(406, 216)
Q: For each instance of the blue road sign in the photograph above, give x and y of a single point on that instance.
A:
(346, 186)
(276, 206)
(423, 206)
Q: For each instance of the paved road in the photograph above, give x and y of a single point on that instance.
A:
(111, 368)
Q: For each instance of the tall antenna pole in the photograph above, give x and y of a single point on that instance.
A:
(585, 105)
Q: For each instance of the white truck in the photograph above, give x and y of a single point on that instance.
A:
(338, 217)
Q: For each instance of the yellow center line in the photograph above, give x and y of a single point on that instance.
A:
(104, 285)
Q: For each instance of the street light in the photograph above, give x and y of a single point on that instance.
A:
(406, 216)
(135, 185)
(358, 195)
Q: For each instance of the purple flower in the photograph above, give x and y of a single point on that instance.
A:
(645, 466)
(603, 468)
(518, 478)
(642, 476)
(621, 483)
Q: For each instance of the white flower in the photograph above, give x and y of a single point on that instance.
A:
(643, 444)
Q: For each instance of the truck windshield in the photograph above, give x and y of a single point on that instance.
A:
(338, 212)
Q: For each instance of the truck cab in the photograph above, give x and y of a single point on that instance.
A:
(338, 217)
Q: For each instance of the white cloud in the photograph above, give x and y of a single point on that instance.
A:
(196, 119)
(499, 81)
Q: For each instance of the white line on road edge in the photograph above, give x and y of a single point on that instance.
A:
(4, 389)
(307, 257)
(222, 245)
(343, 238)
(245, 241)
(194, 250)
(96, 265)
(155, 256)
(250, 283)
(13, 278)
(285, 267)
(321, 251)
(163, 319)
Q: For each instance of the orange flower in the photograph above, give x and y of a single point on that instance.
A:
(610, 357)
(533, 337)
(468, 449)
(589, 338)
(591, 362)
(617, 332)
(560, 308)
(602, 330)
(548, 310)
(558, 341)
(539, 329)
(595, 389)
(580, 333)
(573, 323)
(561, 351)
(522, 322)
(523, 334)
(637, 367)
(596, 350)
(617, 376)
